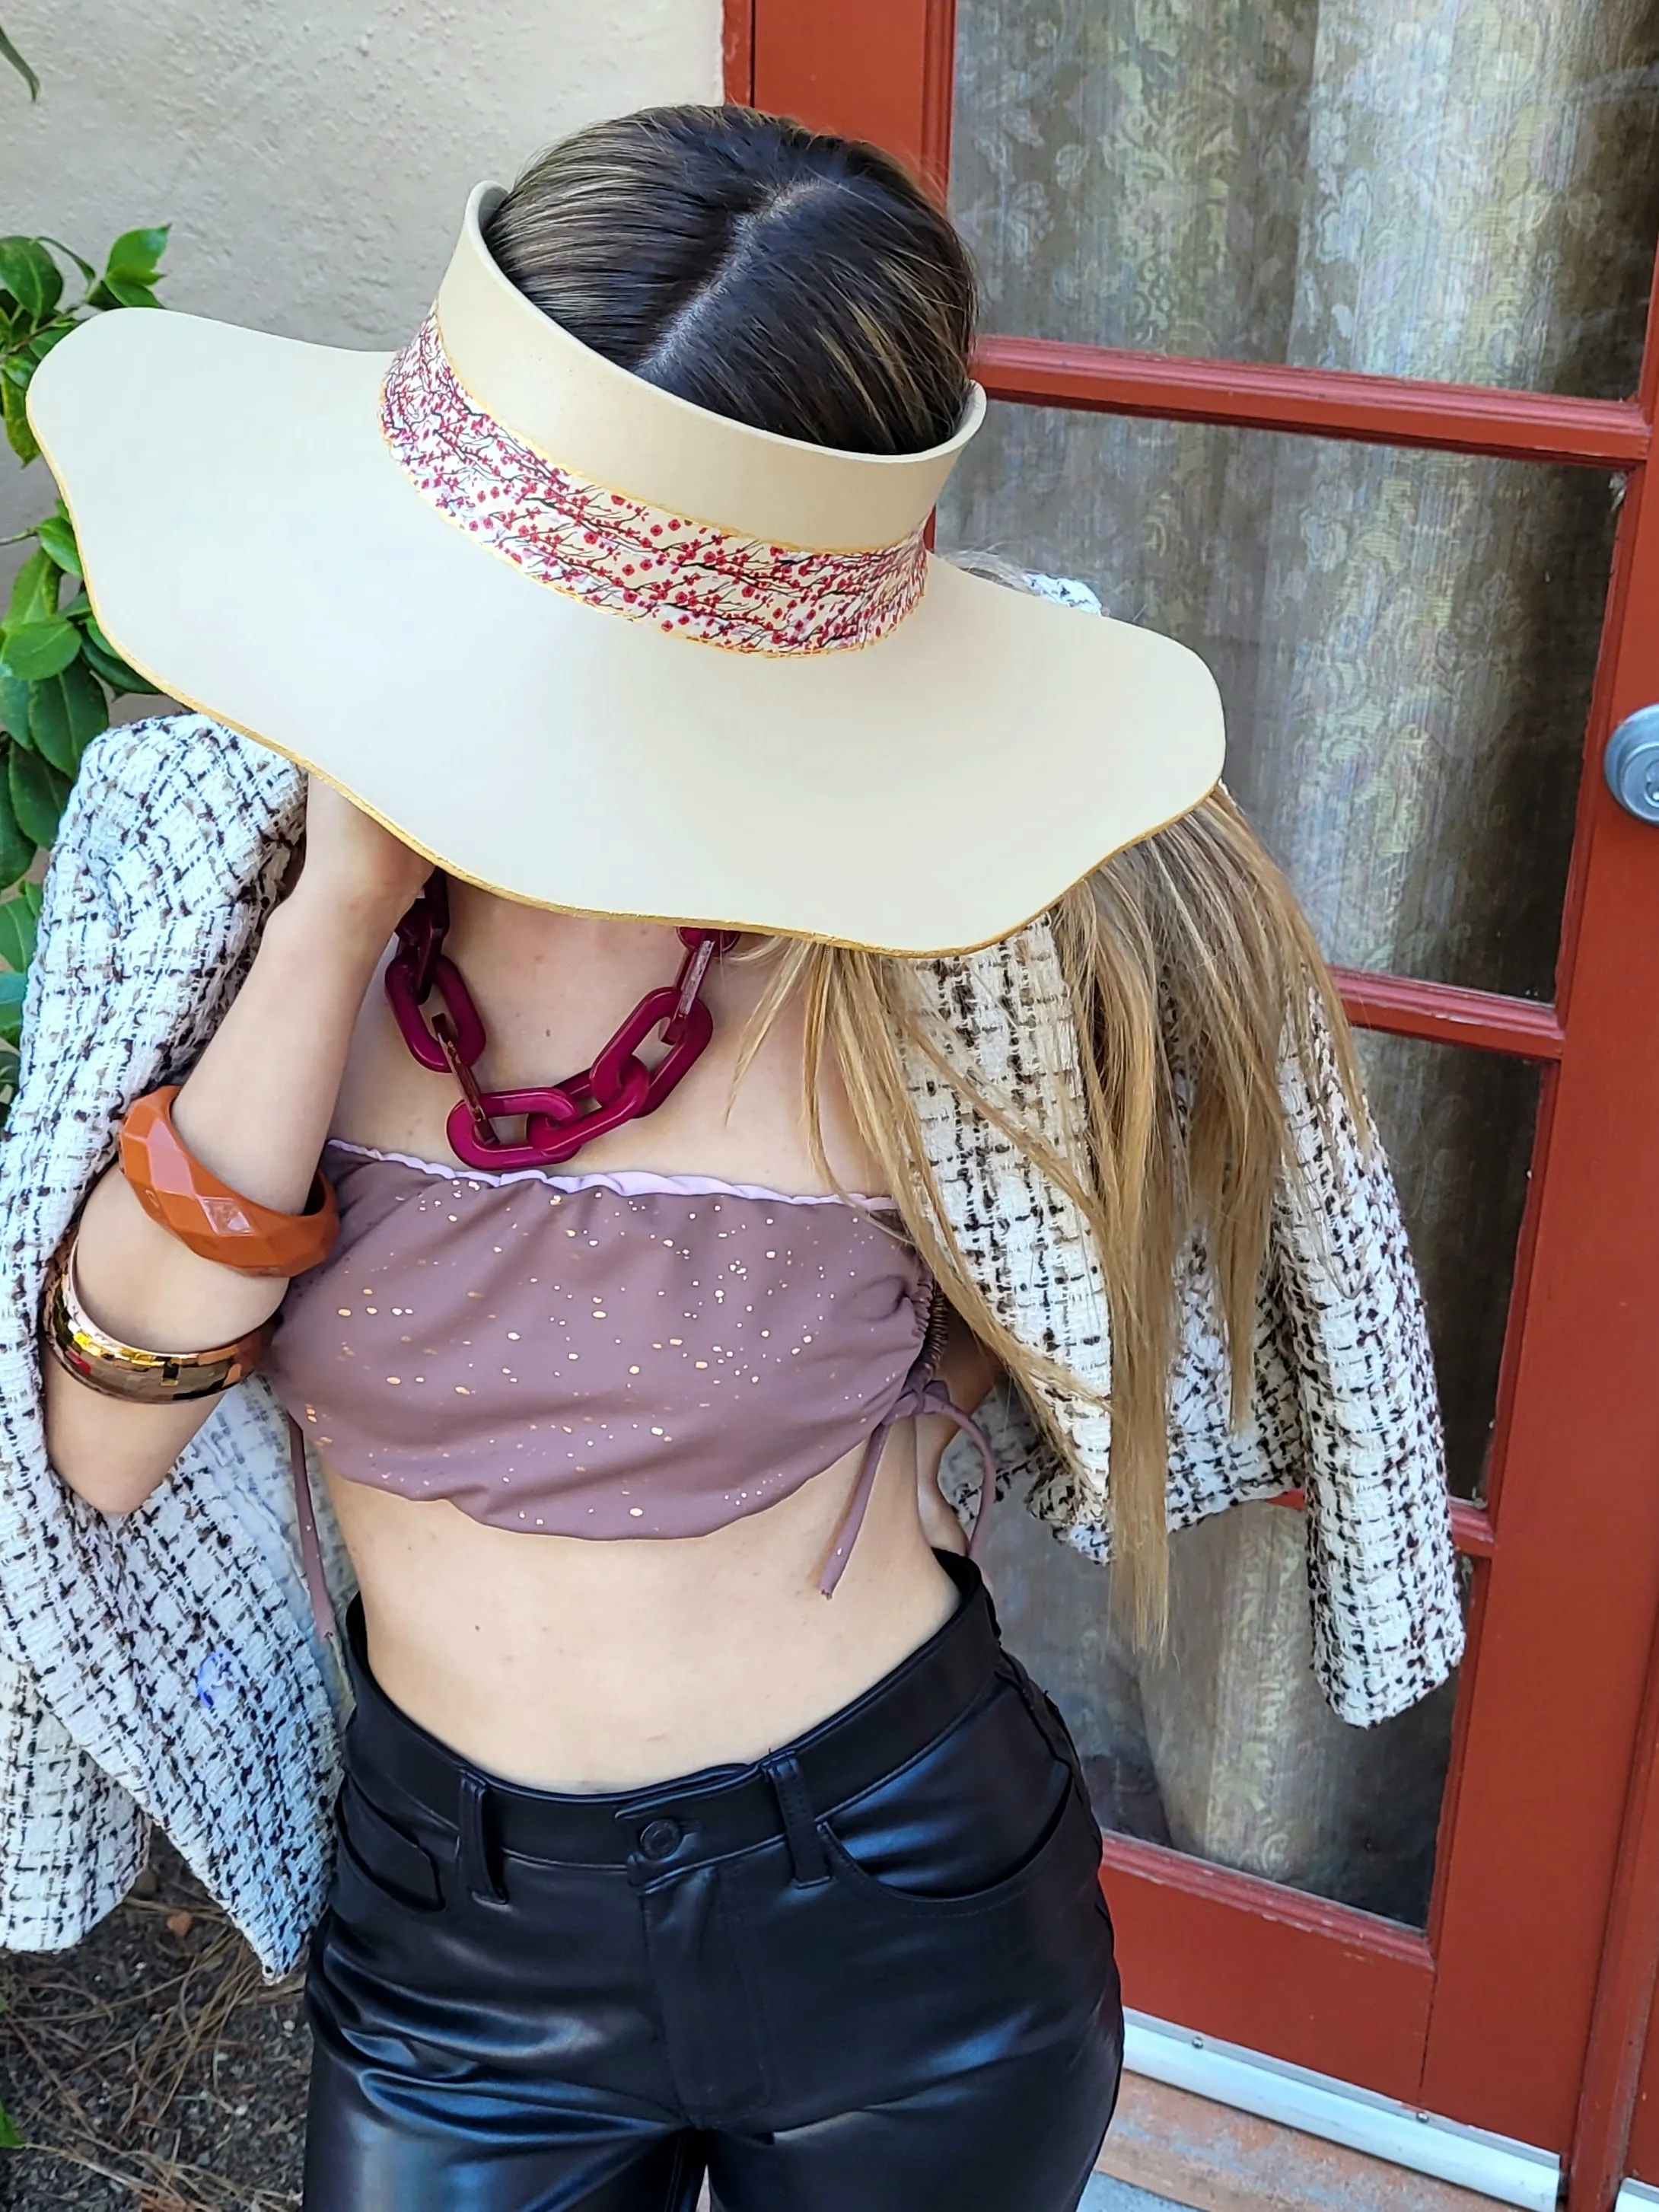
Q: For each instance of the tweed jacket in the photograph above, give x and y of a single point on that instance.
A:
(165, 1667)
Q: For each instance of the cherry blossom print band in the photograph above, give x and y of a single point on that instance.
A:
(690, 579)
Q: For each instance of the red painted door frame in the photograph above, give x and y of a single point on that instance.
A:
(737, 49)
(1612, 2134)
(1554, 1707)
(1524, 1989)
(888, 64)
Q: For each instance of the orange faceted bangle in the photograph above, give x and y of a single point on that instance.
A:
(207, 1216)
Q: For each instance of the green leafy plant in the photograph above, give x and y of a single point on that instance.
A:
(58, 670)
(9, 53)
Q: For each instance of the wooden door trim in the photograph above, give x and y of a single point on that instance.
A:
(880, 69)
(1296, 1964)
(1326, 403)
(738, 51)
(1130, 1859)
(1624, 1985)
(1620, 2056)
(1571, 1599)
(938, 96)
(1447, 1013)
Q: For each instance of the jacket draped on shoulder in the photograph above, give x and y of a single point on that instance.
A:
(165, 1667)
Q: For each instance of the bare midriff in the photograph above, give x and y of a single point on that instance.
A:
(567, 1663)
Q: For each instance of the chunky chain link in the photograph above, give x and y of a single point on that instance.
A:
(559, 1118)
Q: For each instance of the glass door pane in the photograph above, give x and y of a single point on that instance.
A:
(1458, 1128)
(1221, 1745)
(1426, 189)
(1404, 643)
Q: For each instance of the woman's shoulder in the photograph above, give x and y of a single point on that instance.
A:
(176, 798)
(170, 852)
(155, 762)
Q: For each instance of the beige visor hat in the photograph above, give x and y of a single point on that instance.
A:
(597, 648)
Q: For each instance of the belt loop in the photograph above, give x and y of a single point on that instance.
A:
(807, 1861)
(478, 1873)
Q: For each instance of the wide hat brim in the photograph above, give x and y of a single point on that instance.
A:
(254, 547)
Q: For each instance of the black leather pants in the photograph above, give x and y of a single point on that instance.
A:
(873, 1974)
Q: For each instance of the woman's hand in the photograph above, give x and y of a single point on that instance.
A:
(255, 1110)
(354, 867)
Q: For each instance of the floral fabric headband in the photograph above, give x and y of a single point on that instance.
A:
(690, 579)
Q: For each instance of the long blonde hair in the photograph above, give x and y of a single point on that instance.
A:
(806, 284)
(1192, 973)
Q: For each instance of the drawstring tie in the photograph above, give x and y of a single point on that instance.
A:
(311, 1549)
(923, 1392)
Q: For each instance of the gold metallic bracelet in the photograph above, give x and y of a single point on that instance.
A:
(104, 1363)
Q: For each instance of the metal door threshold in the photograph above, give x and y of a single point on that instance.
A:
(1489, 2166)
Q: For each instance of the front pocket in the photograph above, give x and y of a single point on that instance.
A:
(967, 1811)
(379, 1853)
(1065, 1859)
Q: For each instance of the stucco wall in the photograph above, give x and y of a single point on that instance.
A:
(312, 156)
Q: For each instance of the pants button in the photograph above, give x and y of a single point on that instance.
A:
(660, 1839)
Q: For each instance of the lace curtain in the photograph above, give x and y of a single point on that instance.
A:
(1462, 190)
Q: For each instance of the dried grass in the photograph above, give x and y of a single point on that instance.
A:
(151, 2068)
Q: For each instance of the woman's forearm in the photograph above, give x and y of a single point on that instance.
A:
(255, 1111)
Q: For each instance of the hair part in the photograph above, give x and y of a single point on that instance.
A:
(800, 283)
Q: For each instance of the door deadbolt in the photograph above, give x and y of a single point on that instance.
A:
(1632, 764)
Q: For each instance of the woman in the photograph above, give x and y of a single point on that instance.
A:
(694, 1819)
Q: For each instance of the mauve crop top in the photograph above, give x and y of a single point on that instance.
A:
(603, 1355)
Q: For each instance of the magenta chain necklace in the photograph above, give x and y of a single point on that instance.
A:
(560, 1118)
